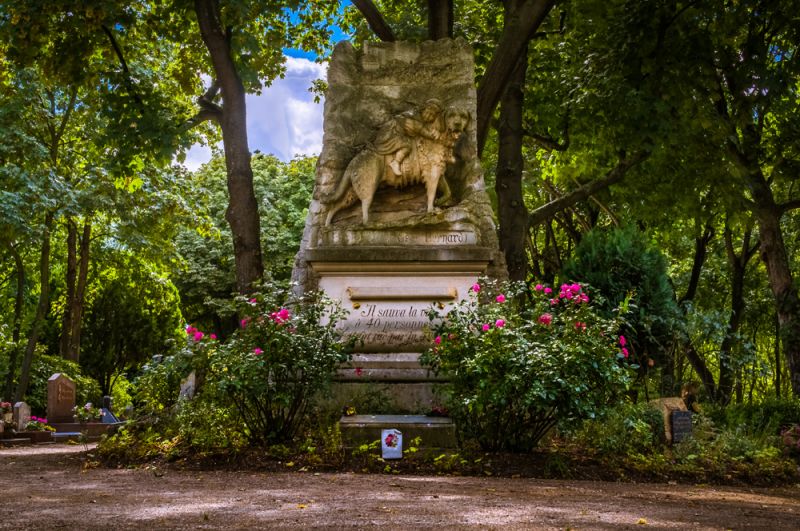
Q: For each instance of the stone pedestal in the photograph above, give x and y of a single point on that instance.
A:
(372, 240)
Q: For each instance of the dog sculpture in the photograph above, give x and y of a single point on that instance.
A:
(425, 164)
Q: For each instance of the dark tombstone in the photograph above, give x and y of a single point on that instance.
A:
(60, 398)
(681, 425)
(107, 400)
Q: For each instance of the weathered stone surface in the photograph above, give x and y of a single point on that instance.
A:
(21, 416)
(436, 432)
(60, 398)
(667, 406)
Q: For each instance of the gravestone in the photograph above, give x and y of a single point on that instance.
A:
(107, 403)
(60, 399)
(188, 386)
(400, 220)
(21, 415)
(681, 425)
(668, 407)
(391, 444)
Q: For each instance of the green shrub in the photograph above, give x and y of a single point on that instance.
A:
(768, 417)
(621, 262)
(44, 366)
(624, 430)
(517, 369)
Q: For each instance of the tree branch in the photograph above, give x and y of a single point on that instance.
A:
(615, 175)
(518, 29)
(789, 205)
(440, 19)
(123, 63)
(375, 20)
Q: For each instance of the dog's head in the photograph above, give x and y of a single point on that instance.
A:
(456, 120)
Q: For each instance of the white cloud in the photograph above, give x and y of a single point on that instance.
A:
(283, 120)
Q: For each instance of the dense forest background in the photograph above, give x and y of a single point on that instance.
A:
(648, 148)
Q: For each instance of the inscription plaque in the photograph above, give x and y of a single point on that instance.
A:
(681, 425)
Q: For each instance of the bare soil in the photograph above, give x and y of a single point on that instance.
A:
(56, 487)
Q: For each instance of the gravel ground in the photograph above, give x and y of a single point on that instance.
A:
(49, 487)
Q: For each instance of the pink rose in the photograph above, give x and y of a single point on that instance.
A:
(500, 323)
(253, 300)
(546, 319)
(190, 330)
(198, 335)
(257, 351)
(622, 341)
(243, 322)
(548, 291)
(501, 298)
(486, 327)
(213, 336)
(438, 340)
(538, 287)
(476, 287)
(624, 352)
(580, 326)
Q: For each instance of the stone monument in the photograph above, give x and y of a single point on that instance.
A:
(400, 219)
(22, 415)
(60, 399)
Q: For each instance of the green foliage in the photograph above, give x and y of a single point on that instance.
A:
(625, 429)
(621, 262)
(764, 418)
(44, 366)
(517, 368)
(271, 369)
(132, 317)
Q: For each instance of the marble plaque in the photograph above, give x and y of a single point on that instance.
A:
(389, 312)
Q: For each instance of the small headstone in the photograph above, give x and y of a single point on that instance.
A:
(681, 425)
(391, 444)
(60, 398)
(188, 386)
(107, 400)
(22, 415)
(667, 406)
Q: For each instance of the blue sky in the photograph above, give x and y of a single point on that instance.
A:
(283, 120)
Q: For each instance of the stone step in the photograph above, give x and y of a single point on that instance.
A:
(434, 432)
(386, 367)
(378, 397)
(19, 441)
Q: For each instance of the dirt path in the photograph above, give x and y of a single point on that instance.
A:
(45, 488)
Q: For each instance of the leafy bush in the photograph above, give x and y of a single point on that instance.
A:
(622, 262)
(626, 429)
(768, 417)
(517, 369)
(43, 367)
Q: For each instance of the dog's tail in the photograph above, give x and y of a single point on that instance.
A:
(341, 189)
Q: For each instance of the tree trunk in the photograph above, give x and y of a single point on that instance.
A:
(375, 20)
(778, 364)
(41, 309)
(738, 265)
(511, 211)
(700, 250)
(242, 212)
(773, 254)
(16, 330)
(440, 19)
(518, 28)
(71, 274)
(80, 293)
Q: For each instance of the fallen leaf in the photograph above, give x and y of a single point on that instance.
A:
(642, 521)
(301, 505)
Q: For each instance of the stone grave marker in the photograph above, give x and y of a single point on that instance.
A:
(681, 425)
(107, 403)
(22, 415)
(391, 444)
(188, 386)
(60, 399)
(668, 406)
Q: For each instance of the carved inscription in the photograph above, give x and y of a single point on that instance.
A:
(389, 325)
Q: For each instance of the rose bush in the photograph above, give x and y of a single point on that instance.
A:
(521, 361)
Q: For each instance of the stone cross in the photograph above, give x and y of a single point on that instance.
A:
(60, 398)
(22, 415)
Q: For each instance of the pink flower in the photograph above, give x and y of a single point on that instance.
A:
(580, 326)
(476, 287)
(500, 323)
(198, 335)
(568, 294)
(622, 341)
(253, 300)
(624, 352)
(190, 330)
(584, 297)
(486, 327)
(281, 316)
(359, 371)
(575, 288)
(553, 302)
(538, 287)
(548, 291)
(243, 322)
(257, 351)
(546, 319)
(501, 298)
(438, 340)
(213, 336)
